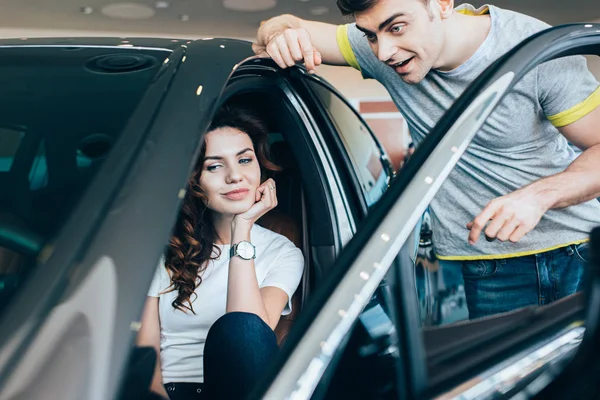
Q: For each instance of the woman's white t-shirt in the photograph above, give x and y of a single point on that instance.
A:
(278, 263)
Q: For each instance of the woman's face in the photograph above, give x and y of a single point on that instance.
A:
(230, 173)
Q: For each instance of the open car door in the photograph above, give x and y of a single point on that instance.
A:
(506, 355)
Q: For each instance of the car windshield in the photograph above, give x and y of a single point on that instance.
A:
(61, 111)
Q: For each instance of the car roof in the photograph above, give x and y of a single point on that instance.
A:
(131, 42)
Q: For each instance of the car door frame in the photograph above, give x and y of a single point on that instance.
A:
(352, 183)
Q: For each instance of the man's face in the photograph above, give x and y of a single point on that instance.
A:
(405, 34)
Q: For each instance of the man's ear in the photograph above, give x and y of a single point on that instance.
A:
(445, 8)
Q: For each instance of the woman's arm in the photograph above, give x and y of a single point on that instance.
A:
(243, 291)
(149, 336)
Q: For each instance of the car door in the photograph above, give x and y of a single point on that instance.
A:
(511, 354)
(496, 356)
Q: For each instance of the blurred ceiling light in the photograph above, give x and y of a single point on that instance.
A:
(184, 17)
(128, 11)
(86, 10)
(320, 10)
(161, 4)
(249, 6)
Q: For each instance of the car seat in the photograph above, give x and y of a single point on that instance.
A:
(287, 220)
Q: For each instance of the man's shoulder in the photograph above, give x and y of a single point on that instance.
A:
(516, 24)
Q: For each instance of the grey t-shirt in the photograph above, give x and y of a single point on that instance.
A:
(518, 144)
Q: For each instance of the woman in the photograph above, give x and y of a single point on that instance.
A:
(225, 281)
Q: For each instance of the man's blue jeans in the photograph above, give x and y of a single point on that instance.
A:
(497, 286)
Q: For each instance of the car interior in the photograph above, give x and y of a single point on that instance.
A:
(294, 215)
(302, 215)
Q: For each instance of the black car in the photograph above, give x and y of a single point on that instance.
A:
(97, 139)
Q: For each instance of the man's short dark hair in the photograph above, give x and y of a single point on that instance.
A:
(349, 7)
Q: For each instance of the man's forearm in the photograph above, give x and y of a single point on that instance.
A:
(579, 183)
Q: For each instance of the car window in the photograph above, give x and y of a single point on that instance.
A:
(61, 112)
(10, 140)
(368, 160)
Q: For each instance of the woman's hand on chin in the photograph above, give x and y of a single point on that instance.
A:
(266, 200)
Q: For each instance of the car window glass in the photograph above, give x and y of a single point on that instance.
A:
(10, 141)
(61, 112)
(360, 144)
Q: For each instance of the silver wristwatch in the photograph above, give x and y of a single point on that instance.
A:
(244, 250)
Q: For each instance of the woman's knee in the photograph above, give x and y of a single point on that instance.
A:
(238, 340)
(241, 327)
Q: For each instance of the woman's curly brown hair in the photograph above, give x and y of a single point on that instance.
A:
(192, 245)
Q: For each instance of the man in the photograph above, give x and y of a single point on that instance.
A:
(519, 182)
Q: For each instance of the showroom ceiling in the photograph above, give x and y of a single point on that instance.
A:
(236, 18)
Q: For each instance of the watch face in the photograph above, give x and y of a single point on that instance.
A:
(245, 250)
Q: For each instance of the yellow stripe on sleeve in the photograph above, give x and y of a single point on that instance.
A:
(345, 47)
(505, 256)
(577, 112)
(469, 10)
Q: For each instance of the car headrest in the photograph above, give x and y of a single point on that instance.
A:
(282, 155)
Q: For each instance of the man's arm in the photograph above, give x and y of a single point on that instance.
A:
(514, 215)
(288, 39)
(581, 180)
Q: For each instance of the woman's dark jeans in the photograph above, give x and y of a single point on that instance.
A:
(238, 349)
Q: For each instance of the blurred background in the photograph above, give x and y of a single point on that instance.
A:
(228, 18)
(191, 19)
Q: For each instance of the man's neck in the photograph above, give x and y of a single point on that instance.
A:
(464, 34)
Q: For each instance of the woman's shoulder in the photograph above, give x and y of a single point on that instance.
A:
(269, 242)
(161, 280)
(260, 234)
(276, 251)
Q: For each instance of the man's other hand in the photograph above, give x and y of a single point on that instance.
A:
(510, 217)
